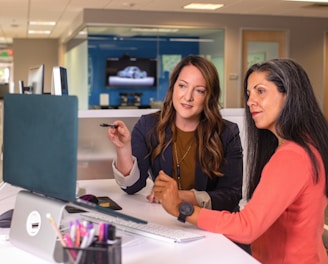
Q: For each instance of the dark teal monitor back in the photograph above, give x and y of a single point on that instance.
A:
(40, 135)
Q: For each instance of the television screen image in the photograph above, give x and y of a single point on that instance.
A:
(131, 72)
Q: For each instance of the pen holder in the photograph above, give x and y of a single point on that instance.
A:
(97, 253)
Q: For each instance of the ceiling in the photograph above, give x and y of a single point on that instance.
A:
(16, 14)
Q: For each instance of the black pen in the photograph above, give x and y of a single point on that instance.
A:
(108, 125)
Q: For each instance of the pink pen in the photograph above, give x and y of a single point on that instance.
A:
(70, 243)
(101, 231)
(77, 233)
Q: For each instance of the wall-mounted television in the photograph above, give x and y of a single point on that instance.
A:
(131, 72)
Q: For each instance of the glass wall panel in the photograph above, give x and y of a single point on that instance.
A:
(259, 51)
(142, 54)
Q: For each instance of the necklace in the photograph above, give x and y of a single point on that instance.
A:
(179, 162)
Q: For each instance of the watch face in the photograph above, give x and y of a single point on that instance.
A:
(186, 208)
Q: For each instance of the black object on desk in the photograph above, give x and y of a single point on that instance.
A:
(97, 253)
(5, 218)
(93, 206)
(103, 201)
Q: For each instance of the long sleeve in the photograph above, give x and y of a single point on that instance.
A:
(140, 151)
(226, 191)
(287, 207)
(125, 181)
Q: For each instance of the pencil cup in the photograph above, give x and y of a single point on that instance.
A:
(97, 253)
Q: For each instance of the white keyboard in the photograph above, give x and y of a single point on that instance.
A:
(150, 230)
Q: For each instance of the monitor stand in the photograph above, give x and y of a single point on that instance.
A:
(24, 89)
(31, 229)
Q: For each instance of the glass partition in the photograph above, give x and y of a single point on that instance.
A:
(144, 56)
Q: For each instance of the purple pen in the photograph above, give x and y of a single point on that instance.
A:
(105, 232)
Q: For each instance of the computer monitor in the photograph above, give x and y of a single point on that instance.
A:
(4, 89)
(36, 79)
(44, 158)
(59, 84)
(35, 82)
(21, 87)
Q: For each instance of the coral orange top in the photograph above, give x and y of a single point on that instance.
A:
(284, 220)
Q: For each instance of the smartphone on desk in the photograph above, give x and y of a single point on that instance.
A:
(107, 202)
(103, 201)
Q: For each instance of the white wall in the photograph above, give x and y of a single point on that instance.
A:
(306, 38)
(32, 52)
(76, 61)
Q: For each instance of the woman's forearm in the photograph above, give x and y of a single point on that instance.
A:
(124, 160)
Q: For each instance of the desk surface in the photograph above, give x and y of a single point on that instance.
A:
(214, 248)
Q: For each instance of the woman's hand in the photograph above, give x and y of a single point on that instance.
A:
(188, 196)
(120, 136)
(151, 198)
(166, 192)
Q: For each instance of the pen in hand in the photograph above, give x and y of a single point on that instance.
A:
(108, 125)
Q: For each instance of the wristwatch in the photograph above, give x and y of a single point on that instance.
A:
(185, 209)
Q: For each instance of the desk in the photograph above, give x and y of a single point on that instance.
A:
(214, 248)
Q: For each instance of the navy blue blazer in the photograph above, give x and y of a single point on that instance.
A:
(225, 191)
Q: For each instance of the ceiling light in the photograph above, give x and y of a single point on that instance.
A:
(42, 23)
(312, 1)
(203, 6)
(164, 30)
(190, 40)
(44, 32)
